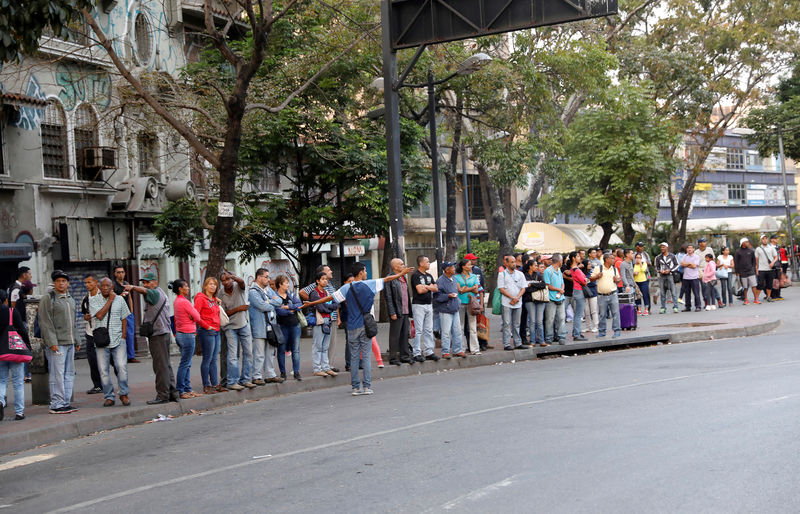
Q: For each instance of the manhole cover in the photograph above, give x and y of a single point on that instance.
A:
(690, 325)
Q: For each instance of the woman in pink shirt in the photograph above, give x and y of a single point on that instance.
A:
(207, 305)
(709, 281)
(186, 320)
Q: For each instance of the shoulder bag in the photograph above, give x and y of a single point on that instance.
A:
(541, 295)
(101, 335)
(370, 325)
(146, 328)
(18, 351)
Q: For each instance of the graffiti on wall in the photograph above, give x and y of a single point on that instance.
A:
(83, 85)
(7, 219)
(29, 116)
(149, 266)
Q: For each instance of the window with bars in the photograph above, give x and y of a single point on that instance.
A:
(735, 158)
(148, 154)
(476, 210)
(737, 194)
(85, 136)
(267, 181)
(144, 49)
(54, 141)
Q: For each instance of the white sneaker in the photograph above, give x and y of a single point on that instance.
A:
(367, 390)
(713, 307)
(593, 330)
(357, 392)
(708, 307)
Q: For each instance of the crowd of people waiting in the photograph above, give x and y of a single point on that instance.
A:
(536, 296)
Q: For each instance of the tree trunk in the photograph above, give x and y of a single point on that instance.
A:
(608, 231)
(483, 178)
(628, 233)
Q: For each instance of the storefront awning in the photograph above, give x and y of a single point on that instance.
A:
(740, 224)
(17, 252)
(546, 238)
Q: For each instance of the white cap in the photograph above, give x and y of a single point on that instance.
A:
(743, 241)
(664, 244)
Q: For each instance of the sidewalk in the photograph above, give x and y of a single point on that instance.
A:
(40, 427)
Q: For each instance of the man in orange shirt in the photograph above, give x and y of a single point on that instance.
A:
(619, 256)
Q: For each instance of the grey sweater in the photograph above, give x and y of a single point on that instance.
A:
(626, 270)
(57, 319)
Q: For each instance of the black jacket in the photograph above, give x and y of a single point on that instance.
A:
(394, 300)
(744, 262)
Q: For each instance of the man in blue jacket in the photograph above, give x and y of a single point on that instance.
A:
(262, 310)
(447, 304)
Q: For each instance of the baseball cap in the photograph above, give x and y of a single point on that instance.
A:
(58, 274)
(664, 244)
(471, 257)
(547, 257)
(701, 240)
(28, 284)
(639, 243)
(447, 264)
(743, 241)
(774, 236)
(150, 275)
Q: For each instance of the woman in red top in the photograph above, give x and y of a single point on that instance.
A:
(207, 305)
(186, 320)
(322, 331)
(578, 283)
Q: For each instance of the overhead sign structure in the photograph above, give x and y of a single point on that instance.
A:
(426, 22)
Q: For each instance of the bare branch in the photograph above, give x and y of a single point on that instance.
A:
(218, 38)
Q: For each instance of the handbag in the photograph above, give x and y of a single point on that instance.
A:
(304, 321)
(146, 328)
(224, 319)
(676, 277)
(18, 350)
(412, 332)
(482, 327)
(785, 282)
(101, 335)
(370, 325)
(277, 338)
(497, 302)
(541, 295)
(475, 306)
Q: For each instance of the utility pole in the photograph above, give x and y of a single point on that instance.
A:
(466, 197)
(789, 223)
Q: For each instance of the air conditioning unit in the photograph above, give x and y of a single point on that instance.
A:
(100, 157)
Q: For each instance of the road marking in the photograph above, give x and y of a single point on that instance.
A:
(480, 493)
(24, 461)
(342, 442)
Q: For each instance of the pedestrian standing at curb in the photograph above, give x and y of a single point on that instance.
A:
(512, 284)
(777, 269)
(15, 351)
(666, 266)
(335, 316)
(92, 304)
(709, 280)
(114, 349)
(130, 334)
(208, 305)
(422, 289)
(606, 277)
(156, 323)
(398, 306)
(641, 276)
(578, 284)
(535, 302)
(186, 321)
(263, 301)
(360, 298)
(237, 332)
(744, 264)
(447, 304)
(702, 250)
(555, 328)
(691, 278)
(60, 336)
(724, 272)
(322, 330)
(766, 257)
(469, 286)
(290, 325)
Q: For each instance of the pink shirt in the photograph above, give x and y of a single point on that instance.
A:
(710, 272)
(186, 316)
(208, 310)
(578, 279)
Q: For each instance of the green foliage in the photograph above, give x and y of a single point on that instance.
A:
(486, 252)
(783, 110)
(22, 23)
(615, 163)
(179, 227)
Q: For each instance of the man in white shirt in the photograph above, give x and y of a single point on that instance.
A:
(115, 320)
(511, 284)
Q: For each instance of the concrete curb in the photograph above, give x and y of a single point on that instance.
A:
(121, 417)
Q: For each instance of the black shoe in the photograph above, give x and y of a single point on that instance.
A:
(1, 411)
(298, 377)
(432, 357)
(174, 398)
(28, 380)
(335, 370)
(419, 358)
(406, 360)
(283, 376)
(437, 334)
(394, 362)
(522, 347)
(95, 390)
(688, 309)
(19, 417)
(579, 338)
(347, 369)
(509, 349)
(156, 401)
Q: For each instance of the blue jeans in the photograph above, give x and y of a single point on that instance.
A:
(536, 321)
(236, 337)
(120, 356)
(291, 334)
(580, 304)
(424, 326)
(360, 353)
(511, 319)
(209, 341)
(130, 337)
(186, 344)
(608, 305)
(555, 321)
(61, 366)
(725, 285)
(319, 352)
(644, 287)
(667, 284)
(451, 332)
(16, 370)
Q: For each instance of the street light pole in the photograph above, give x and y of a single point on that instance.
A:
(792, 260)
(437, 210)
(466, 197)
(392, 118)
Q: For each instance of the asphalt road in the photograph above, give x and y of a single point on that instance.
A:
(701, 427)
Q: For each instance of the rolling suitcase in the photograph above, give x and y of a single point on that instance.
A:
(627, 311)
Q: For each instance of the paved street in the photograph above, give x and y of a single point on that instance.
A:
(707, 426)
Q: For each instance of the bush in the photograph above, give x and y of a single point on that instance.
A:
(486, 252)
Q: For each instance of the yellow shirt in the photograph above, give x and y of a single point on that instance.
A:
(640, 272)
(608, 282)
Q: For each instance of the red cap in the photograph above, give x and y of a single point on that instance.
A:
(471, 257)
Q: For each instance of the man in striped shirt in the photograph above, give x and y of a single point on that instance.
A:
(330, 289)
(116, 320)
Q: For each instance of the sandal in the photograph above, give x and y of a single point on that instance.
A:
(209, 390)
(220, 389)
